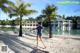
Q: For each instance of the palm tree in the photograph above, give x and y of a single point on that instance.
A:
(50, 12)
(4, 5)
(40, 18)
(20, 11)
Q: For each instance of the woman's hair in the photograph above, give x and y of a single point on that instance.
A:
(39, 23)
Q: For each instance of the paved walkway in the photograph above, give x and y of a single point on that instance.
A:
(27, 43)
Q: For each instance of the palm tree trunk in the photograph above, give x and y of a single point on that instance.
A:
(50, 29)
(20, 30)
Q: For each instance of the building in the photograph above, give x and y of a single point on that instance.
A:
(29, 23)
(62, 24)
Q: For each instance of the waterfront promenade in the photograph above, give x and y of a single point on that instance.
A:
(27, 43)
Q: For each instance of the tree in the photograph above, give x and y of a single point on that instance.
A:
(21, 10)
(50, 12)
(4, 5)
(40, 18)
(74, 21)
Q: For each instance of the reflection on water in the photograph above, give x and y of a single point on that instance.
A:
(55, 31)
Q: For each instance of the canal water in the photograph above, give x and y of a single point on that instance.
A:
(55, 31)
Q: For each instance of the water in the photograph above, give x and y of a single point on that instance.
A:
(55, 31)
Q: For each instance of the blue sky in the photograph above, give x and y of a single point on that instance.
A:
(39, 5)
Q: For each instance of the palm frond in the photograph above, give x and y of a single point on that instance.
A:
(21, 10)
(11, 15)
(5, 9)
(50, 11)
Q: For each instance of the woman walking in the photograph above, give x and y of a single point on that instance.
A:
(39, 34)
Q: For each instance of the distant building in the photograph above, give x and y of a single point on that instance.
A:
(29, 23)
(62, 24)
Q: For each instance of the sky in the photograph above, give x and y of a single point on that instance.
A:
(39, 5)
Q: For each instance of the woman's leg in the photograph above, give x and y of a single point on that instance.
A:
(37, 40)
(42, 41)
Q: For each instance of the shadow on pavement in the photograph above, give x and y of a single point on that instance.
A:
(38, 51)
(15, 44)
